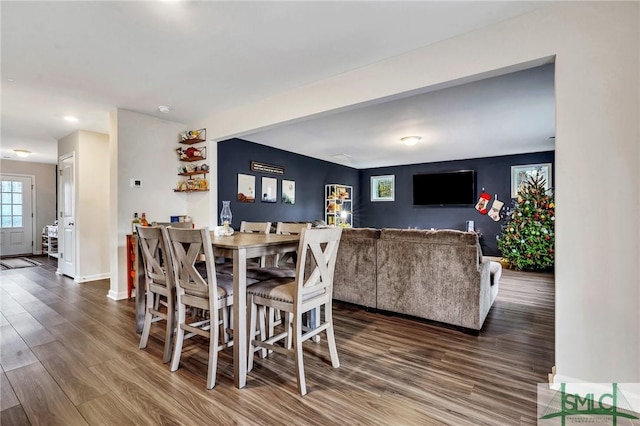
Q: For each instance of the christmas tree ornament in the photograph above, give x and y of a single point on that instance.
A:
(494, 213)
(481, 206)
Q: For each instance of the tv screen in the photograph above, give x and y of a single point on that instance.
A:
(441, 189)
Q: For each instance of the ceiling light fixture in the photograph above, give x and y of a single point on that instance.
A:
(71, 118)
(164, 109)
(410, 140)
(22, 153)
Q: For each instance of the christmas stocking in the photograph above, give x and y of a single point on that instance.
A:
(482, 203)
(494, 213)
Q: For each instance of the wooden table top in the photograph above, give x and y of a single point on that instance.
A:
(251, 240)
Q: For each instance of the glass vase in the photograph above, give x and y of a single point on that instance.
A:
(225, 216)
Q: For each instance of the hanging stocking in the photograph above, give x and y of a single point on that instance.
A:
(494, 213)
(482, 202)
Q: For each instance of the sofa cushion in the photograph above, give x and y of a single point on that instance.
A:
(352, 233)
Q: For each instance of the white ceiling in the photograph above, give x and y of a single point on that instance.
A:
(87, 58)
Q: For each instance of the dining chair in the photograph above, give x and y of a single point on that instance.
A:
(159, 282)
(207, 295)
(282, 228)
(259, 228)
(250, 227)
(311, 288)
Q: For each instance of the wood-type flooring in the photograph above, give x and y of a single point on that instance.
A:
(69, 356)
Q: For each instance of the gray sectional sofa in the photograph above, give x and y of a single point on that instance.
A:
(439, 275)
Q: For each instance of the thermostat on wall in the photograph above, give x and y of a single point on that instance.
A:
(136, 183)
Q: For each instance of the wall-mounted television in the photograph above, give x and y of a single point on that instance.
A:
(445, 189)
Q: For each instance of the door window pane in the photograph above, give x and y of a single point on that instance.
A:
(11, 208)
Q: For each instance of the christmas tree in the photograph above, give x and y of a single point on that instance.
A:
(528, 237)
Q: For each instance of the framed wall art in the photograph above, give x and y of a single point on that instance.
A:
(246, 188)
(288, 191)
(383, 188)
(269, 190)
(520, 174)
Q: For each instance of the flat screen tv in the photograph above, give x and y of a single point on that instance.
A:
(444, 189)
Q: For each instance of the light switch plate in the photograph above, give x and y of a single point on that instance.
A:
(136, 183)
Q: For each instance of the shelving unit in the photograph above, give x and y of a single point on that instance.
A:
(50, 240)
(191, 155)
(338, 205)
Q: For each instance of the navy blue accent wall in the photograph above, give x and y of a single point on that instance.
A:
(310, 175)
(492, 173)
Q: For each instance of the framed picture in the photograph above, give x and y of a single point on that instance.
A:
(520, 175)
(246, 188)
(383, 188)
(288, 191)
(269, 190)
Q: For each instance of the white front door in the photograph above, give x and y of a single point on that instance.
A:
(67, 237)
(16, 227)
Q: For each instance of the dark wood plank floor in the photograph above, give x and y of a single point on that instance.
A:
(70, 356)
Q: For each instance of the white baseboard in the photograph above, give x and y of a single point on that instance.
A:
(117, 295)
(94, 277)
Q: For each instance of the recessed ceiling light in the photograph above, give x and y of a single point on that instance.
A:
(410, 140)
(71, 118)
(164, 109)
(22, 153)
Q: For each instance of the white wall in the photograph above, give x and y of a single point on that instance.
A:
(91, 183)
(597, 46)
(93, 206)
(45, 188)
(141, 147)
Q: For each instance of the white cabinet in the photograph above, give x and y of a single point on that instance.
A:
(338, 205)
(50, 240)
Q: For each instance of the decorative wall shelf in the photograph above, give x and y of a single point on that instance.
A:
(190, 190)
(196, 173)
(192, 159)
(201, 172)
(191, 141)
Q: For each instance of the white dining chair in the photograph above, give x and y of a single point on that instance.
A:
(211, 294)
(310, 289)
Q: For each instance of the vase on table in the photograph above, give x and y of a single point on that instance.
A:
(225, 218)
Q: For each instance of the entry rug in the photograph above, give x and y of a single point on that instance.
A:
(18, 262)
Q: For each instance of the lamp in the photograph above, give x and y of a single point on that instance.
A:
(410, 140)
(22, 153)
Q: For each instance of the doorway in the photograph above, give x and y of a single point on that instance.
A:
(16, 219)
(67, 234)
